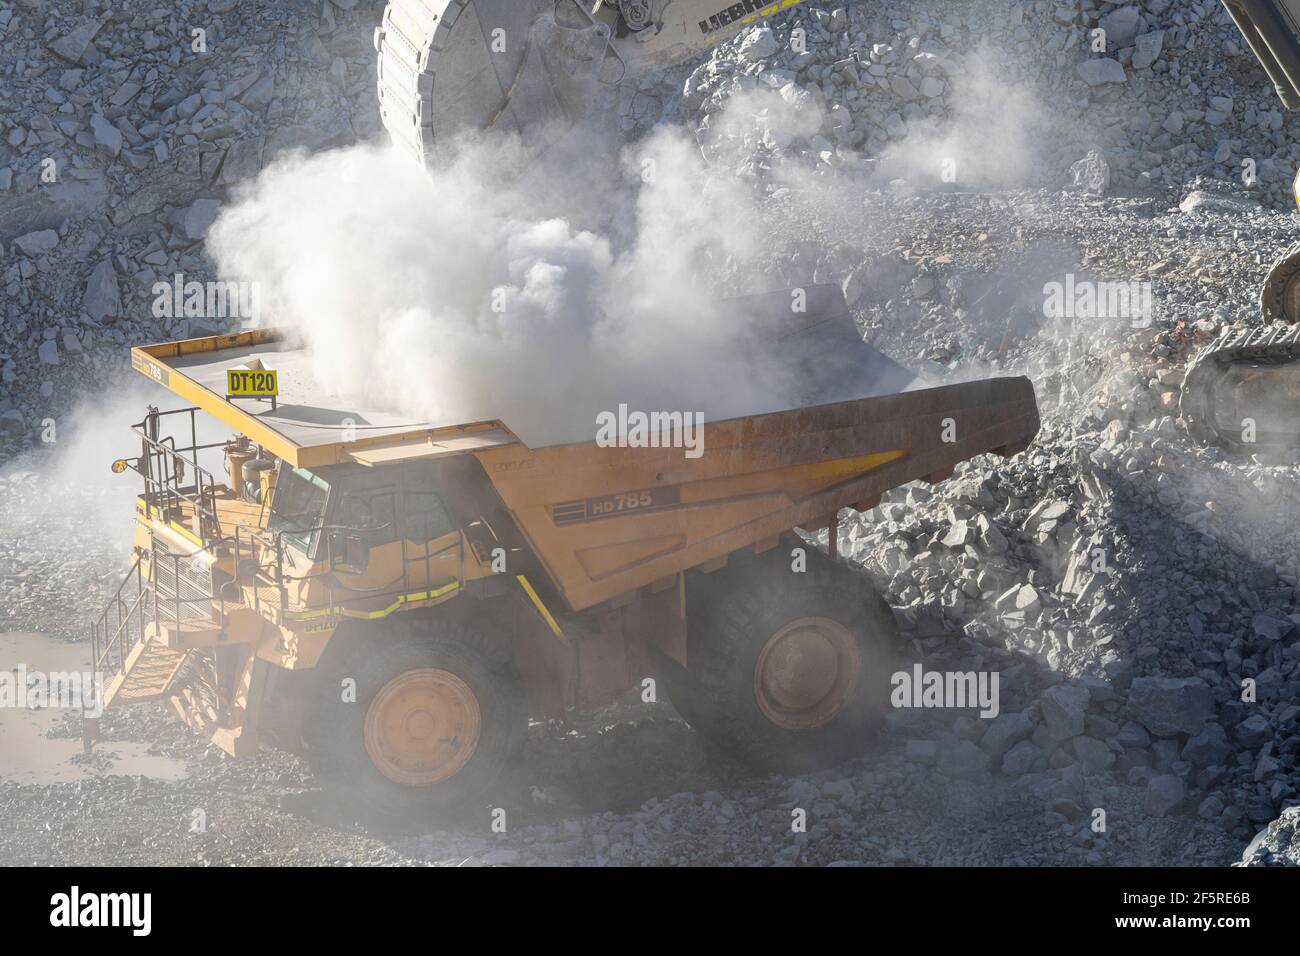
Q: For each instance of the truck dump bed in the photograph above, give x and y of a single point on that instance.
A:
(607, 520)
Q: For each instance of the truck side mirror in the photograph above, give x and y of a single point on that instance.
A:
(349, 553)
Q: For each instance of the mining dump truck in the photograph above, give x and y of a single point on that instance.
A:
(396, 599)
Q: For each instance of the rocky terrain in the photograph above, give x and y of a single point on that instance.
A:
(1138, 594)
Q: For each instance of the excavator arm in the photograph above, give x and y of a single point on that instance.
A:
(532, 66)
(1241, 391)
(1271, 28)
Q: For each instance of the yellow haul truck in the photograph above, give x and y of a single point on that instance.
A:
(394, 600)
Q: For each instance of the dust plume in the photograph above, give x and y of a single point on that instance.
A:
(507, 283)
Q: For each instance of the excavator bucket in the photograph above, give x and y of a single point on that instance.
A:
(1270, 28)
(535, 67)
(447, 66)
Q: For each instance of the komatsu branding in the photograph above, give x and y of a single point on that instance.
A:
(741, 10)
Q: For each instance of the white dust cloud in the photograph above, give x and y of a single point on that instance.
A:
(508, 284)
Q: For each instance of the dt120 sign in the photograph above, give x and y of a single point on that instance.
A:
(251, 383)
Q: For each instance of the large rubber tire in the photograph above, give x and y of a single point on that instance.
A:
(335, 731)
(734, 614)
(1279, 296)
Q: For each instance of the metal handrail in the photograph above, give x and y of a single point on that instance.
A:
(161, 464)
(101, 626)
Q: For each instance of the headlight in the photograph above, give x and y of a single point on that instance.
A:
(120, 466)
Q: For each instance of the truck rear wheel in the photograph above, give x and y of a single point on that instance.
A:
(434, 721)
(787, 671)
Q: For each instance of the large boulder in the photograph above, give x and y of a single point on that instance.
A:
(1005, 731)
(103, 298)
(1064, 708)
(1170, 705)
(1121, 27)
(38, 243)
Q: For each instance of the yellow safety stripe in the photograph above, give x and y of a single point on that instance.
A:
(768, 11)
(541, 608)
(412, 598)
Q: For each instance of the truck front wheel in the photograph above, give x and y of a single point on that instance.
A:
(419, 720)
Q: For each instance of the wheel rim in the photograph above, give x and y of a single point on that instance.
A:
(806, 672)
(422, 727)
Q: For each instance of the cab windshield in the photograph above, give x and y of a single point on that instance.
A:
(298, 507)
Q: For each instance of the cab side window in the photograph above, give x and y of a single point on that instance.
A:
(370, 512)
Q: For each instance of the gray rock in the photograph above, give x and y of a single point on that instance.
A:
(1120, 26)
(1164, 793)
(1064, 708)
(1209, 748)
(1004, 731)
(34, 244)
(1253, 731)
(1099, 689)
(260, 94)
(1198, 200)
(760, 44)
(76, 44)
(1093, 754)
(11, 422)
(1148, 49)
(1100, 71)
(991, 538)
(1091, 174)
(195, 220)
(103, 297)
(1020, 759)
(958, 535)
(108, 138)
(48, 352)
(1210, 808)
(1278, 844)
(1170, 705)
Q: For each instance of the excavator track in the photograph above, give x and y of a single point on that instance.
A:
(1279, 299)
(1243, 390)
